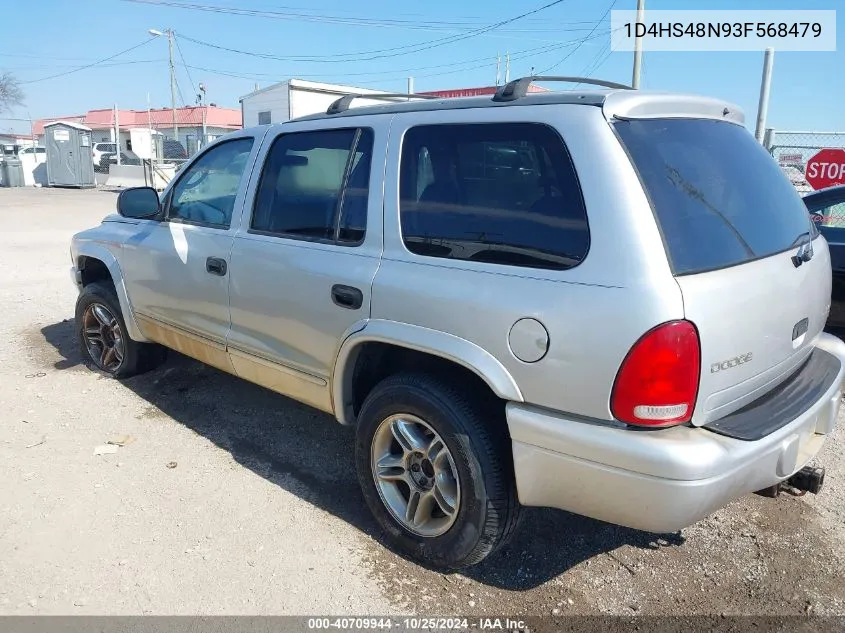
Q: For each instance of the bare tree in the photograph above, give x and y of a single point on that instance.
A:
(10, 91)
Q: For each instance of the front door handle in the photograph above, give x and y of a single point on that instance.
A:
(347, 297)
(215, 266)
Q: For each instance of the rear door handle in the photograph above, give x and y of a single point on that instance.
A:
(215, 266)
(347, 297)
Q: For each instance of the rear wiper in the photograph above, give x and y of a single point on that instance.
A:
(805, 250)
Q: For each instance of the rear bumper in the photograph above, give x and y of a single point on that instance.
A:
(659, 480)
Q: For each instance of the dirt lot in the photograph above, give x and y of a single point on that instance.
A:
(262, 513)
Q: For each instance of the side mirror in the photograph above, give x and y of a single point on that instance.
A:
(138, 202)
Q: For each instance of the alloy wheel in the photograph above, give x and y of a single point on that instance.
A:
(103, 337)
(415, 475)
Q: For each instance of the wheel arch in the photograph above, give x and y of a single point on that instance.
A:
(439, 345)
(92, 255)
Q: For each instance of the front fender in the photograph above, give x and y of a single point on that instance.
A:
(447, 346)
(96, 250)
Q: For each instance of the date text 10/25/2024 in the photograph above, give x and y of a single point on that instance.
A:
(416, 624)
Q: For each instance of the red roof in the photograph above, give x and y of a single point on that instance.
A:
(158, 118)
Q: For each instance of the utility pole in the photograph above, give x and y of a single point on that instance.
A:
(765, 85)
(117, 134)
(507, 67)
(170, 34)
(498, 68)
(410, 85)
(638, 47)
(203, 101)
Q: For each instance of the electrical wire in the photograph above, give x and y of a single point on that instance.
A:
(382, 74)
(599, 60)
(313, 15)
(25, 55)
(395, 51)
(179, 90)
(104, 65)
(91, 65)
(572, 52)
(485, 58)
(184, 63)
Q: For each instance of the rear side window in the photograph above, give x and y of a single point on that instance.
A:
(718, 197)
(315, 186)
(495, 193)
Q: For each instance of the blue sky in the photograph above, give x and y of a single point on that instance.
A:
(54, 38)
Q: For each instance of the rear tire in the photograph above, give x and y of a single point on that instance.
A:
(406, 418)
(101, 331)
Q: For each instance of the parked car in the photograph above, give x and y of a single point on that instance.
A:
(827, 212)
(97, 151)
(110, 158)
(37, 151)
(632, 331)
(797, 178)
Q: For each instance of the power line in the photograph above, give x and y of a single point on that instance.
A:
(91, 65)
(382, 74)
(25, 55)
(485, 58)
(179, 90)
(104, 65)
(378, 53)
(182, 57)
(314, 15)
(572, 52)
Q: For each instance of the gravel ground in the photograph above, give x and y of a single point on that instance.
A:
(262, 515)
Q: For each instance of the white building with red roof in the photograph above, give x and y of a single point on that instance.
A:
(189, 120)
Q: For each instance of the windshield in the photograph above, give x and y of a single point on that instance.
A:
(718, 196)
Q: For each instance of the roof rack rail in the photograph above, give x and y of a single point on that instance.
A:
(518, 88)
(343, 104)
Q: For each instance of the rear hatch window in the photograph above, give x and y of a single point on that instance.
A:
(718, 197)
(731, 222)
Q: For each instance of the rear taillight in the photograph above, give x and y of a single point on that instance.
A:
(658, 382)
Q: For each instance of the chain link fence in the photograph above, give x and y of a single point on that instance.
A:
(793, 149)
(169, 157)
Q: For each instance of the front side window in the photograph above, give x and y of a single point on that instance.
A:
(495, 193)
(206, 192)
(315, 186)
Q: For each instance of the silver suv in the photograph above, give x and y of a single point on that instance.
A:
(605, 301)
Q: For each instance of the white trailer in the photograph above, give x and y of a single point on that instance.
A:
(294, 98)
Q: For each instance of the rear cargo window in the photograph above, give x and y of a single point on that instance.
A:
(718, 196)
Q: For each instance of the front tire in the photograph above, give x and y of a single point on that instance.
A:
(436, 470)
(103, 337)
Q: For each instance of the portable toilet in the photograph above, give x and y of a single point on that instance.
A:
(70, 161)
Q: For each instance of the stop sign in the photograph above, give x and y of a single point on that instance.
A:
(827, 168)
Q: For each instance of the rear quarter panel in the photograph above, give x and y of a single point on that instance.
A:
(593, 313)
